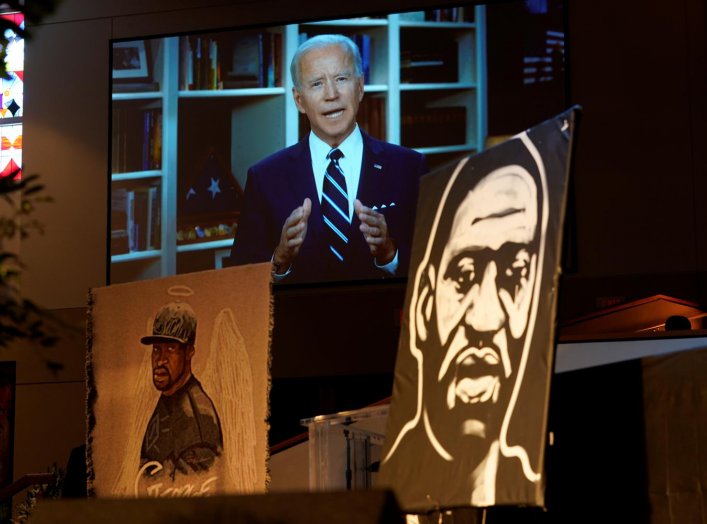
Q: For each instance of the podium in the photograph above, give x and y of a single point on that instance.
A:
(345, 448)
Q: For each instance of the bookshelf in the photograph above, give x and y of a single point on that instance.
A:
(207, 113)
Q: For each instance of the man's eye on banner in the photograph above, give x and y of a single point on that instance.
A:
(468, 417)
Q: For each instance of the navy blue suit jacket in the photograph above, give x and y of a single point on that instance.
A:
(279, 183)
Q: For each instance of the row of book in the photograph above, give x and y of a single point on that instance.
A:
(135, 219)
(136, 139)
(199, 66)
(363, 41)
(238, 61)
(449, 14)
(371, 116)
(255, 59)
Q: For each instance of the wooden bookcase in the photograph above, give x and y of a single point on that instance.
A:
(422, 74)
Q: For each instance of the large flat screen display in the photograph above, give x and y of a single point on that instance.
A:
(215, 136)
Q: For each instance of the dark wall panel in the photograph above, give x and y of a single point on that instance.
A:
(635, 180)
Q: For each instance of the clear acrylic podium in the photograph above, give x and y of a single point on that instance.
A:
(345, 448)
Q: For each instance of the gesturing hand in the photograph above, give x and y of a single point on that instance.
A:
(292, 236)
(375, 231)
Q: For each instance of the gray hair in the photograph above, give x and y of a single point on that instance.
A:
(317, 42)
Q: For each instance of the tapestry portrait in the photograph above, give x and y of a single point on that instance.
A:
(178, 382)
(468, 417)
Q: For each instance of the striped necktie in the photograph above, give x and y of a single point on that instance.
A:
(335, 206)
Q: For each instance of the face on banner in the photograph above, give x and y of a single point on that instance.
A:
(468, 416)
(482, 294)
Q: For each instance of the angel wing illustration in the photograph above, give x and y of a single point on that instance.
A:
(227, 373)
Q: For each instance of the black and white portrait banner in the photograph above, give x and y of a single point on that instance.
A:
(468, 418)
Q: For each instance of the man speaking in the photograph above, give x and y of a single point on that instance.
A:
(338, 205)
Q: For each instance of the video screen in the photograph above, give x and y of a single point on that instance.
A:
(222, 153)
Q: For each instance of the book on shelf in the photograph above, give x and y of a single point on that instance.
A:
(214, 70)
(151, 139)
(450, 14)
(199, 63)
(255, 60)
(136, 139)
(135, 219)
(277, 58)
(119, 242)
(118, 139)
(433, 126)
(363, 41)
(371, 116)
(413, 16)
(146, 213)
(272, 42)
(186, 64)
(209, 73)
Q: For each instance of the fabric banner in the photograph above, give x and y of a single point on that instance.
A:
(174, 410)
(468, 417)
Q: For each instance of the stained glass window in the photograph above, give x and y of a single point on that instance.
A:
(10, 148)
(13, 87)
(12, 100)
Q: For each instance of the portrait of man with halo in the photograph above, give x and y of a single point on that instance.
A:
(178, 385)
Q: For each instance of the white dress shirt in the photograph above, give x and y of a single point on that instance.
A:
(350, 164)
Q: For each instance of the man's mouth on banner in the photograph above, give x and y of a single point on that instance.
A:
(474, 375)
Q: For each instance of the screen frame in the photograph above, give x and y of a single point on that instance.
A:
(282, 15)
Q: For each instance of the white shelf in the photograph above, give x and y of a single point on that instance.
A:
(438, 87)
(356, 22)
(203, 246)
(136, 255)
(404, 24)
(231, 93)
(152, 95)
(463, 148)
(375, 88)
(136, 175)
